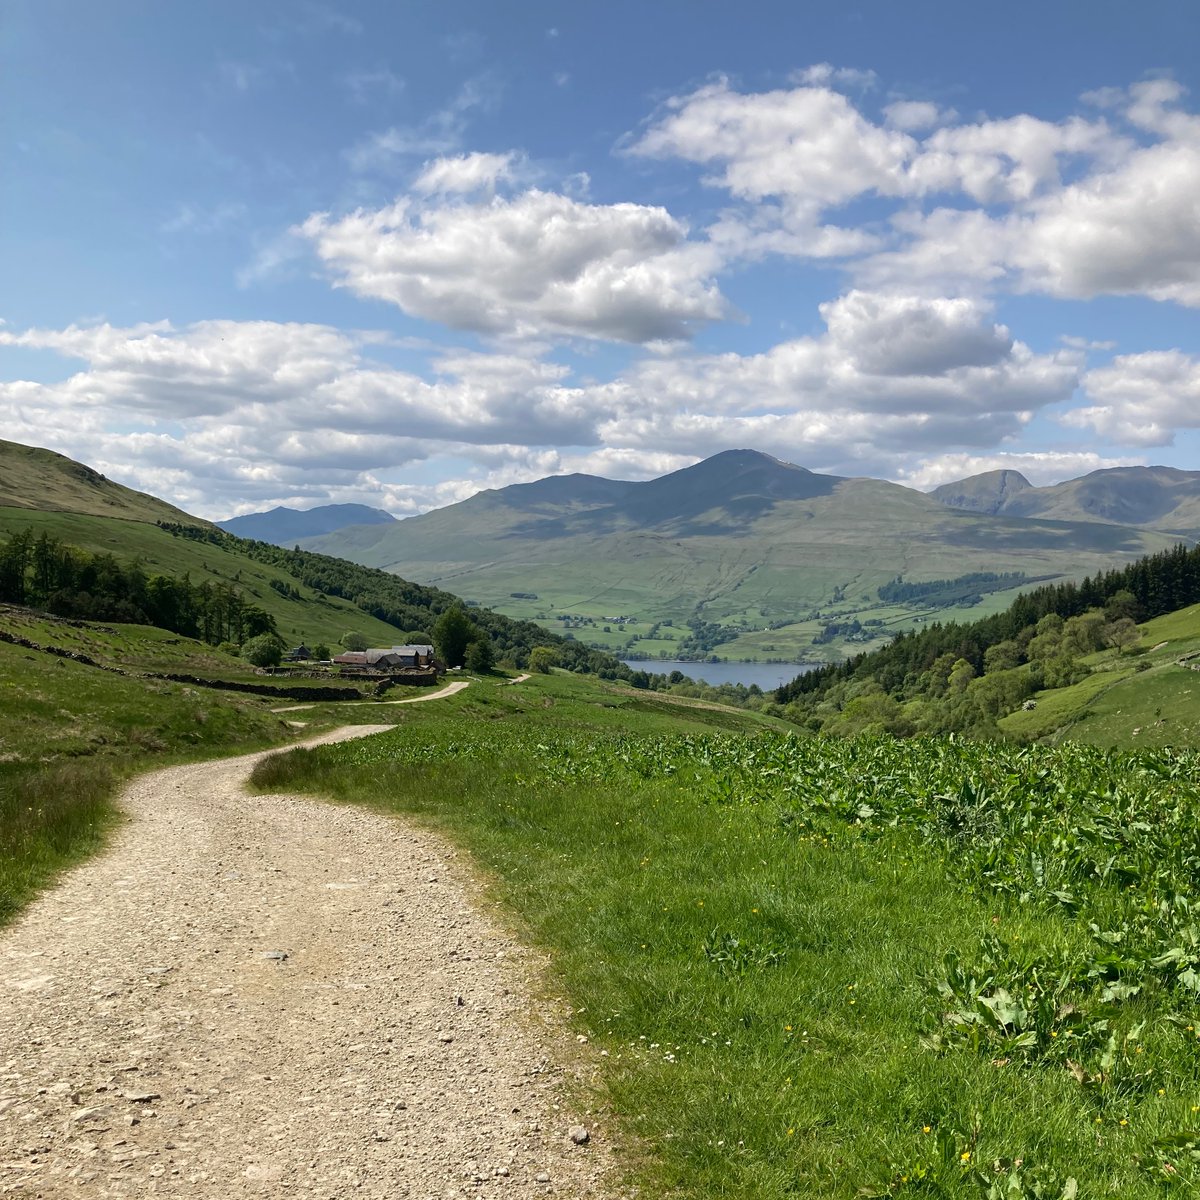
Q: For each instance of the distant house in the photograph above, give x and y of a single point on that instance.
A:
(387, 658)
(415, 656)
(300, 653)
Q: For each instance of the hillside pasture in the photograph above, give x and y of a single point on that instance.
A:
(305, 616)
(832, 968)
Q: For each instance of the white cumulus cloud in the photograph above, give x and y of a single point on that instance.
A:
(465, 173)
(1089, 205)
(1142, 399)
(537, 264)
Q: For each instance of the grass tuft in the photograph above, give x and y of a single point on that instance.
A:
(50, 818)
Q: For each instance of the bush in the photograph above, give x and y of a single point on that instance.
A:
(541, 659)
(266, 650)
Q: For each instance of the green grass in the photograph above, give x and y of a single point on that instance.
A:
(1160, 707)
(311, 618)
(752, 931)
(1143, 698)
(1059, 707)
(50, 818)
(32, 477)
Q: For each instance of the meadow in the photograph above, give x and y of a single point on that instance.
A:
(1131, 700)
(827, 967)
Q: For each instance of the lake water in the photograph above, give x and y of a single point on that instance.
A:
(768, 676)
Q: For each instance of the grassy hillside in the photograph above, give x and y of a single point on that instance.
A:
(34, 478)
(1148, 696)
(311, 598)
(832, 968)
(307, 616)
(772, 564)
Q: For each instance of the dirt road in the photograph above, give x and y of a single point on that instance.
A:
(449, 690)
(272, 996)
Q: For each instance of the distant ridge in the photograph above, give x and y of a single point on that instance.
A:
(1161, 498)
(285, 526)
(728, 552)
(986, 493)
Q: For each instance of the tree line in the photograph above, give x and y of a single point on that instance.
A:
(45, 572)
(952, 677)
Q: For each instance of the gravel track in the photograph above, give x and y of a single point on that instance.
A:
(272, 996)
(449, 690)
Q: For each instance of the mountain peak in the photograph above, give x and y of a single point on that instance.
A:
(986, 493)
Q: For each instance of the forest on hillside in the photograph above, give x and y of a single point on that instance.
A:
(962, 678)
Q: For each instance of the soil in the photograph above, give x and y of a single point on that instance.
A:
(275, 996)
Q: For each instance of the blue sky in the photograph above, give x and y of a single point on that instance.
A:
(309, 252)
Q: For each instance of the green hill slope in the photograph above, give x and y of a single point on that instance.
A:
(40, 479)
(1148, 696)
(769, 552)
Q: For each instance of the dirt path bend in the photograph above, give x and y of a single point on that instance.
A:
(272, 996)
(449, 690)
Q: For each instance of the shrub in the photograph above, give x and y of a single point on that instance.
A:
(541, 659)
(266, 650)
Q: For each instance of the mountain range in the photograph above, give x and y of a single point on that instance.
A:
(310, 598)
(758, 557)
(285, 526)
(1161, 498)
(755, 545)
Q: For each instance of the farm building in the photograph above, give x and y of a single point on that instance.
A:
(415, 656)
(387, 658)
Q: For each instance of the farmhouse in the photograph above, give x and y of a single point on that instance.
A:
(415, 656)
(387, 658)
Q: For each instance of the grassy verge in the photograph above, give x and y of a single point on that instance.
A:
(50, 818)
(828, 968)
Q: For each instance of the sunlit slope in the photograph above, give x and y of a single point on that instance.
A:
(300, 615)
(1149, 696)
(34, 478)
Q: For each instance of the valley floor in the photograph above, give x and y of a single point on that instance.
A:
(271, 995)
